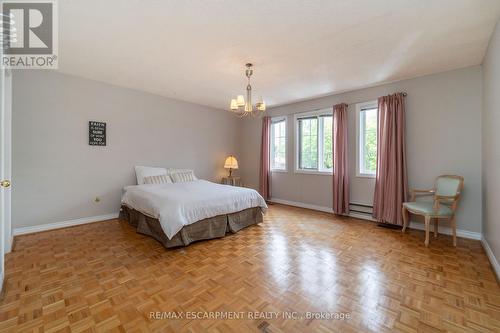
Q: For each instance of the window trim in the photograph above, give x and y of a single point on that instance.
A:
(276, 120)
(360, 107)
(297, 116)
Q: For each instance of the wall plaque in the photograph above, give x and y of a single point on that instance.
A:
(97, 133)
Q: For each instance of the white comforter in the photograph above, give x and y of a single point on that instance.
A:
(178, 204)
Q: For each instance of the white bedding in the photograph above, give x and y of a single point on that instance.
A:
(178, 204)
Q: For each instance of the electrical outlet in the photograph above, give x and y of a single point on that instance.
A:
(97, 199)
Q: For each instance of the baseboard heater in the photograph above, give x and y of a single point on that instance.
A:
(367, 211)
(363, 209)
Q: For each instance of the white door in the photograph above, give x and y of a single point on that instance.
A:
(5, 166)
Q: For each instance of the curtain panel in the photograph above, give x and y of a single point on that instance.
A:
(265, 170)
(340, 160)
(391, 184)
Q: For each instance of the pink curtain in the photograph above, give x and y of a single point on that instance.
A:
(391, 184)
(341, 171)
(265, 183)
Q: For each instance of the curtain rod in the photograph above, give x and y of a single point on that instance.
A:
(328, 107)
(404, 95)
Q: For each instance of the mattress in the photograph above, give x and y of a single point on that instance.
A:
(176, 205)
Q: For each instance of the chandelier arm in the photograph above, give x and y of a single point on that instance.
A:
(257, 113)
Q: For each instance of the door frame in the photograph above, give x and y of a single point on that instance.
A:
(5, 167)
(6, 158)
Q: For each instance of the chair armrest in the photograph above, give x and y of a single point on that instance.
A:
(446, 197)
(414, 192)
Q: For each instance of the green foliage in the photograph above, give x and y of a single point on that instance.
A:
(370, 148)
(278, 151)
(309, 143)
(328, 142)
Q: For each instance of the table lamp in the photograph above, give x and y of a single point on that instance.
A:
(231, 163)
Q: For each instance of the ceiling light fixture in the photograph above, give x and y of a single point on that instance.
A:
(246, 108)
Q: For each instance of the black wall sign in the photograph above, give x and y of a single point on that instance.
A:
(97, 133)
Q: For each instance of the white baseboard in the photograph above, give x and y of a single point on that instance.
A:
(491, 256)
(8, 247)
(367, 217)
(64, 224)
(413, 225)
(302, 205)
(448, 231)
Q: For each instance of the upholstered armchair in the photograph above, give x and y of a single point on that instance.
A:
(446, 194)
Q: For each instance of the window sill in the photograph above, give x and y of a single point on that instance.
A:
(365, 175)
(279, 170)
(314, 172)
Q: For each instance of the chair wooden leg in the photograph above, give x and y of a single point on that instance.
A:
(435, 227)
(454, 229)
(427, 223)
(405, 218)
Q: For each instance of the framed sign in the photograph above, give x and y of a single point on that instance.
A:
(97, 133)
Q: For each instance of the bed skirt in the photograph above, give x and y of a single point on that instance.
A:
(214, 227)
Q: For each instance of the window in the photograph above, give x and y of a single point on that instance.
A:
(367, 139)
(308, 146)
(314, 142)
(278, 144)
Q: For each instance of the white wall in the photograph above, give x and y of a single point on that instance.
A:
(57, 175)
(491, 141)
(443, 137)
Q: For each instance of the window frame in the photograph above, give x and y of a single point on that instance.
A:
(359, 140)
(318, 114)
(271, 145)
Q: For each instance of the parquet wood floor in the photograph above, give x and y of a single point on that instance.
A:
(106, 277)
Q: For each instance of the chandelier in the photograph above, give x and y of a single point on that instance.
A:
(246, 108)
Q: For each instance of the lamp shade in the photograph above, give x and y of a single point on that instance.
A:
(231, 162)
(240, 100)
(234, 105)
(261, 106)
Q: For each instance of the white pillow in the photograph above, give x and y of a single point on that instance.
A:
(143, 171)
(171, 171)
(179, 176)
(160, 179)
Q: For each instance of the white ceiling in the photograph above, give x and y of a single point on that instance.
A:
(195, 50)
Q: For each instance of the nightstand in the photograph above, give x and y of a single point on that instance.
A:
(234, 181)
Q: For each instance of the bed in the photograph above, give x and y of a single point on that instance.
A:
(179, 213)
